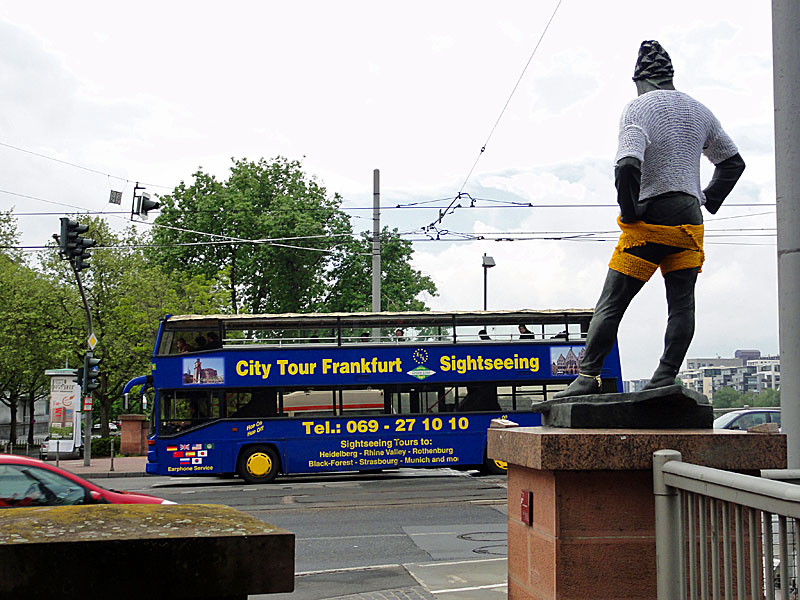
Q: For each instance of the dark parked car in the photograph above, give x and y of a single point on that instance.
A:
(28, 481)
(748, 417)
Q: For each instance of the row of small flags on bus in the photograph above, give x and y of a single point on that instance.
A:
(190, 453)
(182, 447)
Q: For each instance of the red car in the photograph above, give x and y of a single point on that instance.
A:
(28, 481)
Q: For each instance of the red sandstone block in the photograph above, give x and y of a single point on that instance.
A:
(543, 553)
(518, 551)
(516, 591)
(584, 569)
(604, 503)
(542, 484)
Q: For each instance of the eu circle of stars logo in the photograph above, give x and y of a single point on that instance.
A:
(420, 356)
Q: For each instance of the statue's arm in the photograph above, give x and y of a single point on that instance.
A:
(726, 174)
(627, 179)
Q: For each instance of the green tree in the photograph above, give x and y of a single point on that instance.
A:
(127, 296)
(35, 332)
(260, 202)
(727, 397)
(766, 397)
(351, 277)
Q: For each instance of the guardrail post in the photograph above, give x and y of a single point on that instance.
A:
(668, 529)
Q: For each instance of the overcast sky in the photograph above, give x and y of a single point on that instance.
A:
(151, 91)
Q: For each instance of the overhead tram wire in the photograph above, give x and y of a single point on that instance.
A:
(420, 205)
(77, 166)
(563, 236)
(273, 242)
(450, 208)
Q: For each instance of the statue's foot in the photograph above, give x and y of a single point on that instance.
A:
(664, 375)
(657, 383)
(583, 385)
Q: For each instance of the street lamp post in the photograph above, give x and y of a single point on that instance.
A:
(488, 263)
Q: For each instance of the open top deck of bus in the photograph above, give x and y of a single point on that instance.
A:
(388, 319)
(392, 327)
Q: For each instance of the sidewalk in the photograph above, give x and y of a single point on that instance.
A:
(124, 466)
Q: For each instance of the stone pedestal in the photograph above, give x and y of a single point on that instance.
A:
(581, 518)
(136, 551)
(133, 435)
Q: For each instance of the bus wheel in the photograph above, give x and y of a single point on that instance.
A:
(258, 464)
(494, 467)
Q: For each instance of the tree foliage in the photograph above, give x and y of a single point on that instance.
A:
(727, 397)
(260, 202)
(127, 296)
(317, 266)
(351, 277)
(35, 333)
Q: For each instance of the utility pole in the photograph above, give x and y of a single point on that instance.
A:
(786, 82)
(376, 247)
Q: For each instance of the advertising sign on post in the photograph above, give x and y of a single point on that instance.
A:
(63, 430)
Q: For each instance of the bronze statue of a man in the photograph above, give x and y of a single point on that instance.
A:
(662, 135)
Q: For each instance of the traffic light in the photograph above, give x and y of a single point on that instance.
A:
(144, 205)
(73, 246)
(91, 375)
(79, 376)
(70, 239)
(83, 254)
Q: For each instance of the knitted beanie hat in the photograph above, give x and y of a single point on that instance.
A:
(653, 62)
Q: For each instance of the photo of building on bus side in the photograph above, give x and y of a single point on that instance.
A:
(566, 360)
(313, 393)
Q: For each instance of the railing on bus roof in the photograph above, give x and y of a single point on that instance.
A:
(338, 329)
(392, 340)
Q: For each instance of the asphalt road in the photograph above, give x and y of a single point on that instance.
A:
(414, 533)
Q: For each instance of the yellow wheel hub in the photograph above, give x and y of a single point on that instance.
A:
(259, 464)
(501, 465)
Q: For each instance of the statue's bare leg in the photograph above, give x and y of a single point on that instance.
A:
(618, 291)
(680, 326)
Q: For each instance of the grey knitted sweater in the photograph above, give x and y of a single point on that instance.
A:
(667, 131)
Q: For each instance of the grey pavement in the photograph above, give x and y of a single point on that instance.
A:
(123, 466)
(450, 580)
(408, 593)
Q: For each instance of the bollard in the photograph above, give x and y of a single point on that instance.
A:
(112, 453)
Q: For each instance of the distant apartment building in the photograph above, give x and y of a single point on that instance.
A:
(634, 385)
(748, 371)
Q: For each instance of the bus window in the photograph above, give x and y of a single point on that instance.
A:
(506, 398)
(329, 402)
(258, 403)
(426, 400)
(360, 402)
(189, 340)
(309, 403)
(181, 410)
(552, 389)
(449, 402)
(480, 397)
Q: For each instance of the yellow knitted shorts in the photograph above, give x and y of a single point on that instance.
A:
(688, 237)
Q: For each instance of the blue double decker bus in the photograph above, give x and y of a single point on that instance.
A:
(262, 395)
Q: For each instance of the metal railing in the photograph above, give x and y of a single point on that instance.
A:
(6, 447)
(715, 531)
